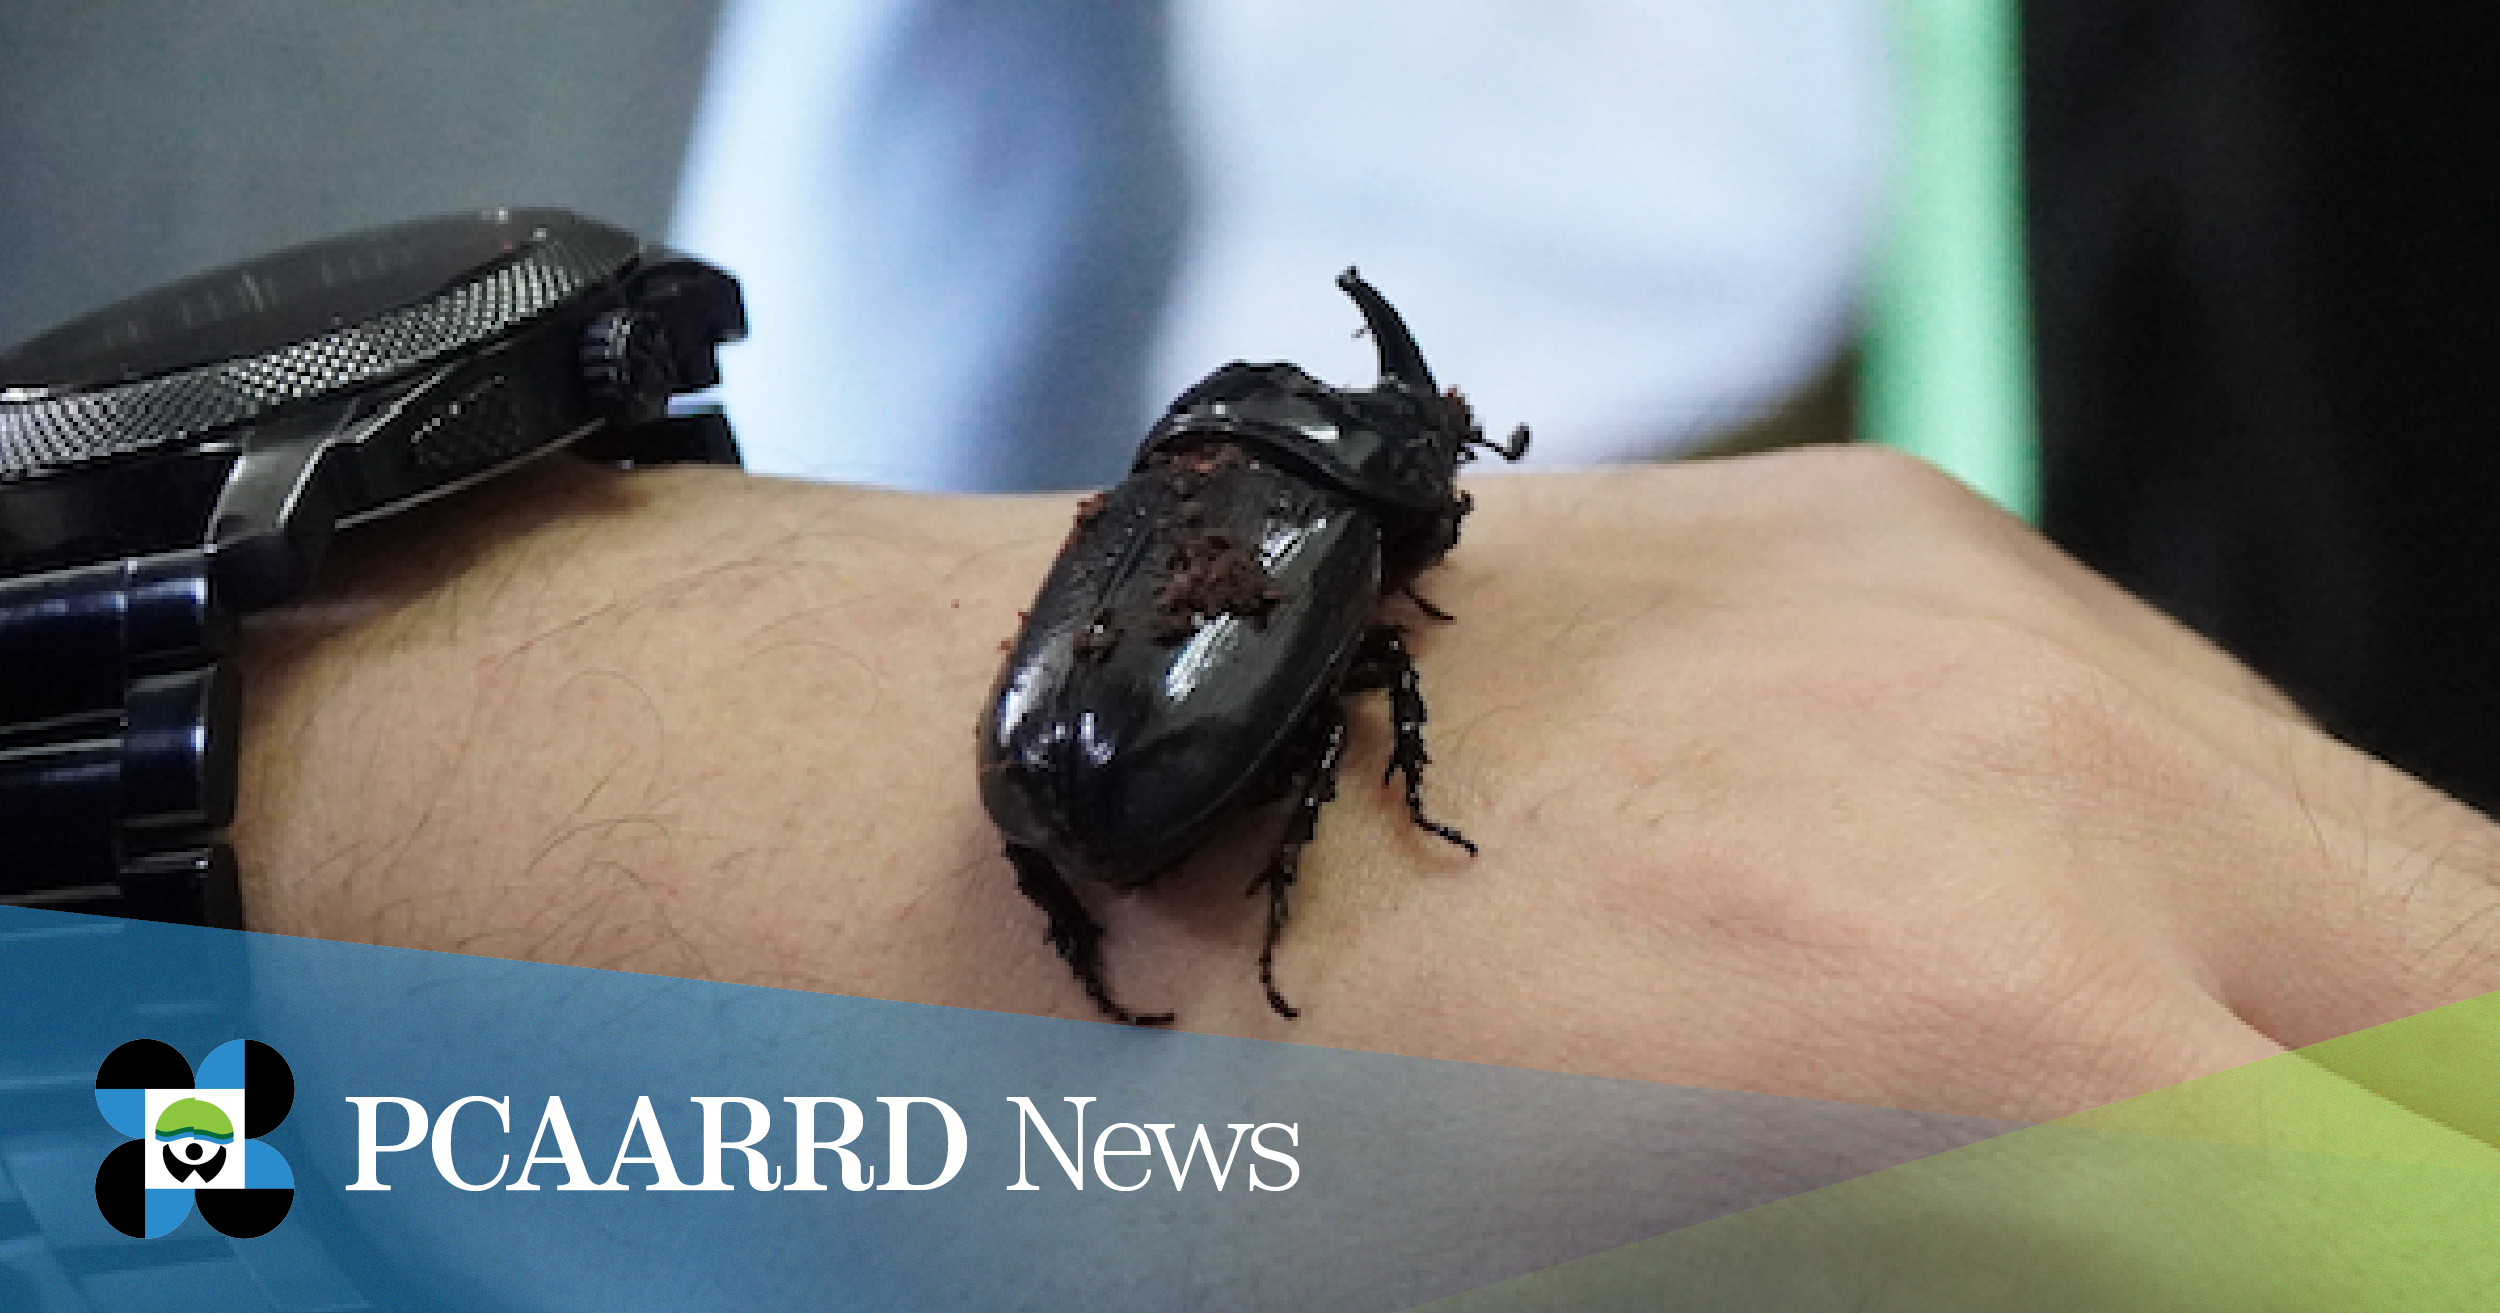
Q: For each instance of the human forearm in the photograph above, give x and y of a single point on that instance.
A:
(1807, 775)
(613, 720)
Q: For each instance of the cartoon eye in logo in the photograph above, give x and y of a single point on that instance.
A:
(194, 1141)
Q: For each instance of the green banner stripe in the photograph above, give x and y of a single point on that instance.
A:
(2354, 1174)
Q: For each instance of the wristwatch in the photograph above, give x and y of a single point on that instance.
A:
(181, 458)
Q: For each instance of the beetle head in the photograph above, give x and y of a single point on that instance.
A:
(1450, 425)
(1396, 447)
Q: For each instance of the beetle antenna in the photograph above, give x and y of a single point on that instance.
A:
(1511, 450)
(1400, 358)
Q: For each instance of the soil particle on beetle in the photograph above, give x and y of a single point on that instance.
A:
(1100, 635)
(1087, 511)
(1211, 574)
(1189, 470)
(1463, 415)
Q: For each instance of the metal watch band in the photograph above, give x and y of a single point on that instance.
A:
(118, 722)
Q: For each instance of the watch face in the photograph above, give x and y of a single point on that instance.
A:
(265, 304)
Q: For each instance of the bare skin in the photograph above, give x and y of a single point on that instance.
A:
(1807, 774)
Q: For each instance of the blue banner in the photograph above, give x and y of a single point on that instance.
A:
(314, 1125)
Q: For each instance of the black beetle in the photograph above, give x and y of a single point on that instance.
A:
(1187, 653)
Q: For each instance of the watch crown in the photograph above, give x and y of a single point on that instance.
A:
(628, 368)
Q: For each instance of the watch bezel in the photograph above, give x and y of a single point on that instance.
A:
(545, 259)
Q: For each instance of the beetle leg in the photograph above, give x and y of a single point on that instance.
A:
(1385, 663)
(1319, 784)
(1073, 931)
(1425, 605)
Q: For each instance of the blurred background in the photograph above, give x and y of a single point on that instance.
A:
(2203, 286)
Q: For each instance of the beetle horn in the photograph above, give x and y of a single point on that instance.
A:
(1400, 358)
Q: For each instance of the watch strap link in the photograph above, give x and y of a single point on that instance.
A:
(119, 712)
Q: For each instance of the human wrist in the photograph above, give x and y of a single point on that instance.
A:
(547, 722)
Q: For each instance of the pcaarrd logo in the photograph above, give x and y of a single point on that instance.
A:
(194, 1140)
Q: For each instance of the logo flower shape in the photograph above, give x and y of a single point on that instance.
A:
(194, 1141)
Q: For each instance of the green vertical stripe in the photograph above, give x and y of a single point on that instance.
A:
(1948, 357)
